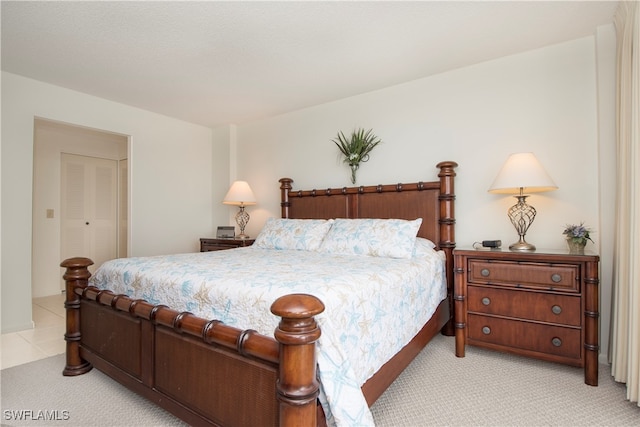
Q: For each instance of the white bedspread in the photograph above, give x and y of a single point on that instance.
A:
(373, 306)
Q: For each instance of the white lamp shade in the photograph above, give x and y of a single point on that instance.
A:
(522, 171)
(239, 194)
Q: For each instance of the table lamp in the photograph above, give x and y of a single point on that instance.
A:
(522, 172)
(240, 195)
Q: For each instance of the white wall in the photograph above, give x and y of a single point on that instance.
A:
(171, 168)
(543, 101)
(224, 140)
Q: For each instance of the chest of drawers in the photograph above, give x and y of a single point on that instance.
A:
(538, 304)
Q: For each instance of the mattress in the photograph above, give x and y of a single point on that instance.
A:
(373, 305)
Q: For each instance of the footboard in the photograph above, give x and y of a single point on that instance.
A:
(202, 371)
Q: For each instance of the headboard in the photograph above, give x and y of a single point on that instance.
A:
(432, 201)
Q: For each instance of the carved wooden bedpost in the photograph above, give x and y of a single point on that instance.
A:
(297, 333)
(285, 186)
(460, 304)
(76, 276)
(447, 229)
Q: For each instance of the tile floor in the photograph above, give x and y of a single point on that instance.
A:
(46, 339)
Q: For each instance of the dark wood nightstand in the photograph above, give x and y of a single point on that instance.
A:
(207, 245)
(541, 304)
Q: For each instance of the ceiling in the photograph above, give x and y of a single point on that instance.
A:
(214, 63)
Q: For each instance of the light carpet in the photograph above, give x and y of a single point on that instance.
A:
(485, 388)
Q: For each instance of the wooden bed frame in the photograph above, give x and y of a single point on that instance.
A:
(208, 373)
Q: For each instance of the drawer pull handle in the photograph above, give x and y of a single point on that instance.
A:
(557, 342)
(484, 272)
(555, 278)
(486, 330)
(486, 301)
(556, 309)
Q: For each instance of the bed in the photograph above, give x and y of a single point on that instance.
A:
(209, 372)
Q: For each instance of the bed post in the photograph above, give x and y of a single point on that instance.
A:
(76, 276)
(447, 223)
(297, 333)
(285, 187)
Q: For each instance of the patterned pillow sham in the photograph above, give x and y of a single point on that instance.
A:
(297, 234)
(392, 238)
(423, 247)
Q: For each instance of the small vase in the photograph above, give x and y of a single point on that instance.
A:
(354, 169)
(576, 247)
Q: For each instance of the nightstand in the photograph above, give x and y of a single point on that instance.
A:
(541, 304)
(207, 245)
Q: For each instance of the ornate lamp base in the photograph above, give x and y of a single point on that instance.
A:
(522, 215)
(242, 218)
(522, 246)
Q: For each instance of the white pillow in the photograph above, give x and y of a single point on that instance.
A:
(423, 247)
(298, 234)
(393, 238)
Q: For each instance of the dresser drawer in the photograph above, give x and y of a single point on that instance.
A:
(535, 337)
(525, 274)
(552, 308)
(217, 247)
(207, 245)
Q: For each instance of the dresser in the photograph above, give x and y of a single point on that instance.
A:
(541, 304)
(207, 244)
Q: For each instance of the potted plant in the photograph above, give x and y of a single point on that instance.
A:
(356, 149)
(577, 236)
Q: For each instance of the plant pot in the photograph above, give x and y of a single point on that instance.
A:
(576, 247)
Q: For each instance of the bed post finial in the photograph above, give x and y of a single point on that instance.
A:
(285, 187)
(76, 276)
(297, 333)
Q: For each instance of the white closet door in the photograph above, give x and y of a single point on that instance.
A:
(88, 208)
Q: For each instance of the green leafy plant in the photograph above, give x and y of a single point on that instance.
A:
(357, 148)
(577, 233)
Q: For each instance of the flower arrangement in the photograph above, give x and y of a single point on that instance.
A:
(357, 148)
(577, 233)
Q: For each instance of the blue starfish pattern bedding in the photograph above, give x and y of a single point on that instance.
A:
(374, 305)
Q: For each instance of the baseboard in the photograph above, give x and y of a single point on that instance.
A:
(18, 328)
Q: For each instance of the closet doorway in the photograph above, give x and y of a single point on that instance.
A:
(69, 159)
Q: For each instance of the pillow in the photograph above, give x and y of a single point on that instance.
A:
(298, 234)
(393, 238)
(423, 247)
